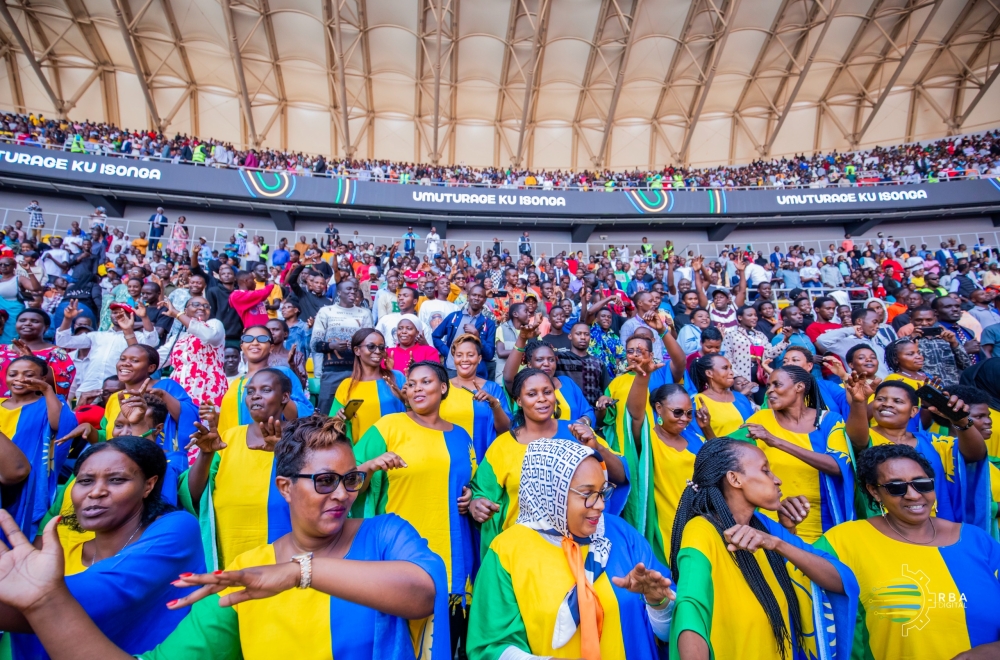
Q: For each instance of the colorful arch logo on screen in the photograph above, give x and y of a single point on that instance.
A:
(716, 201)
(268, 184)
(651, 201)
(346, 190)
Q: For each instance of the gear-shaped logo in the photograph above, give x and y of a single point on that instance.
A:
(907, 602)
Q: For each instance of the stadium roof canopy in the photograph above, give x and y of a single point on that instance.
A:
(541, 83)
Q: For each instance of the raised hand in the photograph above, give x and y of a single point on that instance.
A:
(206, 439)
(125, 321)
(758, 432)
(482, 509)
(21, 348)
(84, 431)
(140, 309)
(653, 585)
(168, 308)
(27, 574)
(792, 511)
(39, 385)
(603, 403)
(72, 310)
(655, 321)
(704, 419)
(390, 361)
(584, 434)
(835, 366)
(257, 582)
(745, 537)
(387, 461)
(271, 431)
(134, 409)
(859, 389)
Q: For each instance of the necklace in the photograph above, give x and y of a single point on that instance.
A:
(93, 560)
(888, 521)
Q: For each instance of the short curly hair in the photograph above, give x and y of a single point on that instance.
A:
(304, 435)
(870, 459)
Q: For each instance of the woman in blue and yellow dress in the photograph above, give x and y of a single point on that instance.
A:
(420, 466)
(928, 585)
(476, 404)
(334, 587)
(746, 588)
(32, 417)
(568, 581)
(378, 387)
(497, 482)
(130, 544)
(727, 408)
(573, 405)
(231, 483)
(960, 461)
(667, 444)
(255, 343)
(806, 446)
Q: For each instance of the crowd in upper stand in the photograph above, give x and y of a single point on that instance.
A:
(970, 156)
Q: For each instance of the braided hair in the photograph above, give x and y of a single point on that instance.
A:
(517, 422)
(700, 369)
(892, 353)
(704, 497)
(812, 396)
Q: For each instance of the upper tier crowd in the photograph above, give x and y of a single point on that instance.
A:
(970, 156)
(331, 449)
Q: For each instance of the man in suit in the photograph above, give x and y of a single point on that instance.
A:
(777, 257)
(943, 255)
(157, 223)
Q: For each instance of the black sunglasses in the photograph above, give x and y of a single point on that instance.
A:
(261, 339)
(327, 482)
(899, 488)
(680, 412)
(373, 348)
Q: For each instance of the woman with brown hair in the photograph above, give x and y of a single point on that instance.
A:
(379, 389)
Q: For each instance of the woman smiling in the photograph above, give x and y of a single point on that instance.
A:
(138, 543)
(477, 405)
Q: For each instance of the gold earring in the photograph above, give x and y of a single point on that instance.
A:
(881, 507)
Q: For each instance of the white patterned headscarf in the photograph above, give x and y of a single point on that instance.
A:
(546, 473)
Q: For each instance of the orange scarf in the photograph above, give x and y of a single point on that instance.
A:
(591, 610)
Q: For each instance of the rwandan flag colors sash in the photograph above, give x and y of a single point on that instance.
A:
(828, 619)
(252, 491)
(378, 399)
(645, 515)
(34, 437)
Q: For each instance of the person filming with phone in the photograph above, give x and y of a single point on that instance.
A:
(944, 356)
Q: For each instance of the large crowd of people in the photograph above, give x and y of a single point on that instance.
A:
(332, 449)
(963, 157)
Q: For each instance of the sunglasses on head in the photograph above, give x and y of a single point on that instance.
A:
(899, 488)
(327, 482)
(260, 339)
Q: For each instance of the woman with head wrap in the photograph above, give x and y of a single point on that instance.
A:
(566, 581)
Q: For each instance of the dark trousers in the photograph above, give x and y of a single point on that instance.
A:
(328, 384)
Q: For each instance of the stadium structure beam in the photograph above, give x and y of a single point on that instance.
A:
(628, 26)
(442, 9)
(338, 48)
(29, 55)
(109, 83)
(503, 94)
(175, 34)
(331, 63)
(139, 64)
(452, 137)
(241, 79)
(418, 101)
(721, 231)
(863, 226)
(581, 233)
(845, 62)
(887, 89)
(790, 101)
(944, 44)
(724, 19)
(366, 69)
(534, 64)
(279, 79)
(752, 80)
(990, 35)
(13, 74)
(668, 81)
(586, 81)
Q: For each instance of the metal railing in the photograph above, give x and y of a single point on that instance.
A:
(821, 246)
(862, 178)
